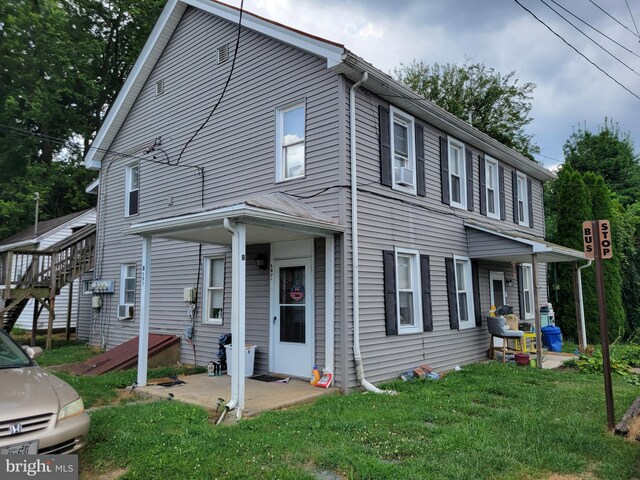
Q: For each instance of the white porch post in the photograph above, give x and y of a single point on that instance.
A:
(329, 302)
(238, 287)
(145, 294)
(239, 263)
(536, 307)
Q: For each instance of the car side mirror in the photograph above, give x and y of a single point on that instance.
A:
(33, 352)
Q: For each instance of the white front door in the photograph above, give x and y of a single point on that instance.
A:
(498, 292)
(292, 337)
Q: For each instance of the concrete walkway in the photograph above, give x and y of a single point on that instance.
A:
(259, 396)
(551, 360)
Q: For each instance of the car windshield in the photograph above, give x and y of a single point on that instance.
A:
(11, 355)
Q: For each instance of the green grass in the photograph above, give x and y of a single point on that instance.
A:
(489, 421)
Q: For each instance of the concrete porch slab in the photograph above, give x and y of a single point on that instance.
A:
(259, 396)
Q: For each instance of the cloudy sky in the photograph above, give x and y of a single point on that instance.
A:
(502, 35)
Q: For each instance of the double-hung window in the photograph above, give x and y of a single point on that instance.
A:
(128, 284)
(214, 288)
(464, 293)
(527, 291)
(132, 189)
(408, 299)
(403, 150)
(492, 191)
(457, 174)
(290, 141)
(522, 199)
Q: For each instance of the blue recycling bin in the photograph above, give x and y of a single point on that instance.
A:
(552, 338)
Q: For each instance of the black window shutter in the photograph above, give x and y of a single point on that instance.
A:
(451, 293)
(475, 274)
(469, 156)
(420, 181)
(444, 169)
(425, 280)
(503, 201)
(390, 315)
(514, 180)
(385, 147)
(520, 274)
(482, 175)
(530, 201)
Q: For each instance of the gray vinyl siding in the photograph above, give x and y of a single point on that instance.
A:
(432, 228)
(482, 244)
(84, 310)
(237, 150)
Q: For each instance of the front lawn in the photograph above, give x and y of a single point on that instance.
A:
(487, 421)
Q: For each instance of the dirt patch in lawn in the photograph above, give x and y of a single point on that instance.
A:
(634, 430)
(110, 475)
(588, 475)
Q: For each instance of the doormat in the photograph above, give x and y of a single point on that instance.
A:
(269, 378)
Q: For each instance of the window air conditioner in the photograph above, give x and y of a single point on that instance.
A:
(404, 176)
(125, 311)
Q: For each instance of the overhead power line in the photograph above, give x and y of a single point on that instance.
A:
(67, 143)
(597, 30)
(592, 40)
(575, 49)
(632, 19)
(224, 89)
(635, 34)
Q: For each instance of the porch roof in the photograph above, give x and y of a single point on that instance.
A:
(487, 242)
(269, 218)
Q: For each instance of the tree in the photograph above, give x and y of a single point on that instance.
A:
(571, 206)
(63, 64)
(602, 208)
(61, 185)
(578, 198)
(609, 153)
(498, 104)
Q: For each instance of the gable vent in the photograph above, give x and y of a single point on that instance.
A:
(160, 87)
(222, 53)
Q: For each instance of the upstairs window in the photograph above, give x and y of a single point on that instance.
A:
(403, 150)
(492, 190)
(457, 174)
(401, 142)
(290, 135)
(522, 199)
(132, 189)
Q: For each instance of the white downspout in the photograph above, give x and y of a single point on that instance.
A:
(582, 321)
(357, 356)
(233, 402)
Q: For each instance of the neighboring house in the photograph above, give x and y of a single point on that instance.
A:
(256, 211)
(48, 234)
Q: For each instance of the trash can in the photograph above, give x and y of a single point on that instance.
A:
(552, 338)
(249, 358)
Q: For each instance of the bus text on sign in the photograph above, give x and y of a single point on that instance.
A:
(602, 236)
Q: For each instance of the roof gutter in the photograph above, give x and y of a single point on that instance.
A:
(402, 96)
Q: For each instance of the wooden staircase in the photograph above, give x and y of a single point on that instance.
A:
(41, 274)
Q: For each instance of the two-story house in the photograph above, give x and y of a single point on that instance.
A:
(322, 210)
